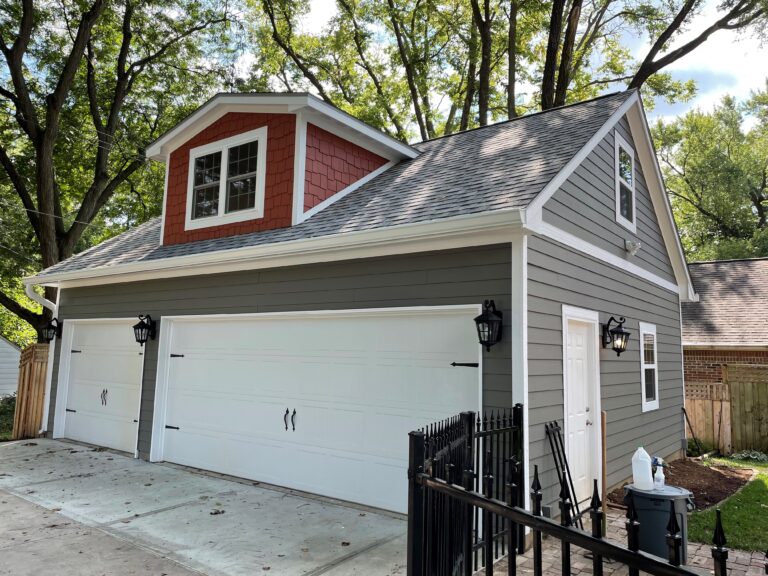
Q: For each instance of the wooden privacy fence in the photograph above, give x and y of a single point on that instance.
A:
(731, 416)
(709, 412)
(33, 368)
(749, 405)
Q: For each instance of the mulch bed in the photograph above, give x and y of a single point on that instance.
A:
(709, 484)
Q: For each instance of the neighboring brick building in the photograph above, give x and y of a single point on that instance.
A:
(728, 324)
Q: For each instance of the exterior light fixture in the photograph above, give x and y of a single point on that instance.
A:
(51, 330)
(144, 330)
(617, 338)
(489, 325)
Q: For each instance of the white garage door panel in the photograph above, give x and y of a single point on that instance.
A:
(103, 357)
(358, 383)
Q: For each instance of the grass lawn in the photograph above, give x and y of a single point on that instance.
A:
(745, 514)
(7, 407)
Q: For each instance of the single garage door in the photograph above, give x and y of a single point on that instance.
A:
(103, 387)
(317, 402)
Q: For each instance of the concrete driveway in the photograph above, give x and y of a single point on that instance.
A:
(92, 511)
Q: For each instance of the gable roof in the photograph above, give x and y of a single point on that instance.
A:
(313, 108)
(733, 304)
(469, 188)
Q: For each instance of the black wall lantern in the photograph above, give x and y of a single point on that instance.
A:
(489, 325)
(144, 330)
(52, 329)
(617, 338)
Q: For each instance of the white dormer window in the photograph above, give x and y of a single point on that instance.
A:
(625, 184)
(226, 180)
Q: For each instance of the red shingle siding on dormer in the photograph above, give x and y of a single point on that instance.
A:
(278, 189)
(332, 164)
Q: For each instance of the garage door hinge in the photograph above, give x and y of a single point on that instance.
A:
(177, 355)
(70, 410)
(77, 351)
(171, 427)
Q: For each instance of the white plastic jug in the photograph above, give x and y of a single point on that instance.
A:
(642, 476)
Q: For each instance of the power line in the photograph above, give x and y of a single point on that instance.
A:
(12, 251)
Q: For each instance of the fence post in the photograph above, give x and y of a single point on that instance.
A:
(633, 530)
(518, 438)
(468, 532)
(512, 532)
(565, 520)
(488, 519)
(415, 554)
(674, 539)
(596, 516)
(719, 551)
(536, 505)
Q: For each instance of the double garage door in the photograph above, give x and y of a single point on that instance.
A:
(317, 402)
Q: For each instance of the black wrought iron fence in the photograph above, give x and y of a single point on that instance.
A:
(478, 453)
(460, 521)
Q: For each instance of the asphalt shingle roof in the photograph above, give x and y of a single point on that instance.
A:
(502, 166)
(733, 303)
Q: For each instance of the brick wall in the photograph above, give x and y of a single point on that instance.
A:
(705, 365)
(332, 164)
(278, 189)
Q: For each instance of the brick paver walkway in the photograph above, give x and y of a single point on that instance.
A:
(740, 563)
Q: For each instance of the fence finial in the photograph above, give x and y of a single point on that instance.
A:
(595, 502)
(719, 551)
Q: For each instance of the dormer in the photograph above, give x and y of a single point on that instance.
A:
(245, 163)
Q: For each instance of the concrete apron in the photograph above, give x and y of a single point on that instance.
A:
(207, 523)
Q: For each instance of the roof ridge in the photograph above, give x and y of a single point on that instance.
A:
(531, 115)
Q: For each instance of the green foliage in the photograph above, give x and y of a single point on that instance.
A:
(716, 169)
(744, 515)
(7, 410)
(750, 456)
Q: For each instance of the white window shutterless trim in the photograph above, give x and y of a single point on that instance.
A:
(258, 135)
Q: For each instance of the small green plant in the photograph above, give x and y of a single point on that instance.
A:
(7, 410)
(693, 448)
(750, 456)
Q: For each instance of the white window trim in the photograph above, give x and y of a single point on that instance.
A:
(646, 328)
(223, 146)
(621, 143)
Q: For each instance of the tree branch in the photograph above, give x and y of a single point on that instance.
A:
(15, 308)
(21, 189)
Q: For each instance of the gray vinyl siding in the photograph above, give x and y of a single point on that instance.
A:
(431, 279)
(9, 367)
(559, 275)
(585, 206)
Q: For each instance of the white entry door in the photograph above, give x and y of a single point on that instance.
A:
(319, 402)
(103, 384)
(582, 414)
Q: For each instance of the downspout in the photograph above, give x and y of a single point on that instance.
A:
(54, 308)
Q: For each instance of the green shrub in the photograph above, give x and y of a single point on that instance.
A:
(7, 409)
(750, 456)
(693, 450)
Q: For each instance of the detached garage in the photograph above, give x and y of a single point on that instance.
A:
(316, 401)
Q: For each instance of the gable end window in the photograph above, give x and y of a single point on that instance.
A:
(649, 368)
(226, 180)
(625, 183)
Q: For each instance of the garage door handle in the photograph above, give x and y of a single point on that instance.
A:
(285, 418)
(70, 410)
(293, 420)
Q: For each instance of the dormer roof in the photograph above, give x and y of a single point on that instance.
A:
(311, 107)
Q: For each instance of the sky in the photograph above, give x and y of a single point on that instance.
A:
(728, 63)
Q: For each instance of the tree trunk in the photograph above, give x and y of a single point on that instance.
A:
(469, 95)
(483, 22)
(512, 59)
(553, 47)
(566, 59)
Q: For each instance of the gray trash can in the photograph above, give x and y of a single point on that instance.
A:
(652, 508)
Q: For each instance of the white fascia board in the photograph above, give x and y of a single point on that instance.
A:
(536, 207)
(655, 182)
(449, 233)
(222, 104)
(748, 346)
(576, 243)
